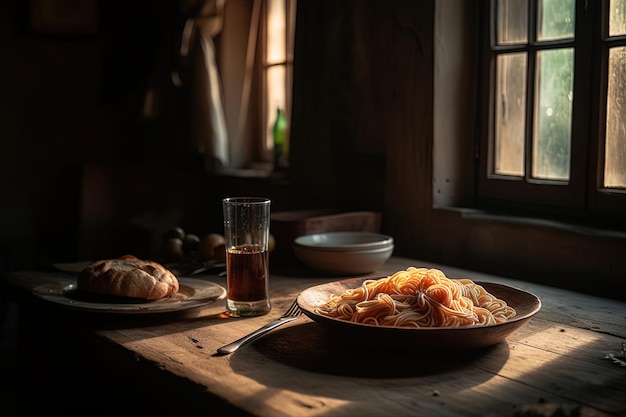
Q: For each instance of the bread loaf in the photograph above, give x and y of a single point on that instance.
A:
(128, 276)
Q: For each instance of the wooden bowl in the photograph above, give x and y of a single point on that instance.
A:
(420, 339)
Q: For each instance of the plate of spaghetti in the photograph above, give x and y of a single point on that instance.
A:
(419, 309)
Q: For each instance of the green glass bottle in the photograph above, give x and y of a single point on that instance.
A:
(281, 141)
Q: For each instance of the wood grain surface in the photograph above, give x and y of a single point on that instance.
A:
(557, 362)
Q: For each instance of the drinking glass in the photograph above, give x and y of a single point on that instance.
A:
(246, 232)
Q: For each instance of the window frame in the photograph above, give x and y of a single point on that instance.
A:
(581, 197)
(607, 202)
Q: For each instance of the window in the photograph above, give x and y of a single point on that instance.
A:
(256, 57)
(277, 65)
(553, 131)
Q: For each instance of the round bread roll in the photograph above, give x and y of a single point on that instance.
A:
(128, 276)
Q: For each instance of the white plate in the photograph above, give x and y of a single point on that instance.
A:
(192, 293)
(344, 241)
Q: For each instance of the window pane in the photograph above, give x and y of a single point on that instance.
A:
(510, 114)
(276, 98)
(617, 17)
(555, 19)
(553, 114)
(275, 59)
(512, 21)
(276, 31)
(615, 151)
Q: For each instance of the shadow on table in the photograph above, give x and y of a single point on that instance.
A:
(313, 348)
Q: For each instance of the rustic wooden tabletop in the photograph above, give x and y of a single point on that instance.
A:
(565, 360)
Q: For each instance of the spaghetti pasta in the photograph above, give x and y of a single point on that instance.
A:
(418, 297)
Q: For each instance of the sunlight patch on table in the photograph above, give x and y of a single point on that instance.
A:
(560, 339)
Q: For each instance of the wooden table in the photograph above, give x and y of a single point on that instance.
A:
(166, 364)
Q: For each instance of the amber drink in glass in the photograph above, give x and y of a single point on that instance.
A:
(246, 231)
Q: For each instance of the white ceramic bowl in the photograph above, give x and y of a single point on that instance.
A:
(344, 261)
(344, 241)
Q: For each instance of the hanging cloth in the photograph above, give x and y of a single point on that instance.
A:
(208, 122)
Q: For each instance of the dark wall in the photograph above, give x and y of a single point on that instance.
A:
(84, 172)
(71, 107)
(49, 117)
(341, 123)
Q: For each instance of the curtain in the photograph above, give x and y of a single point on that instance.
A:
(208, 122)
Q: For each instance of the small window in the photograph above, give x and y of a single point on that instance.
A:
(554, 133)
(255, 59)
(277, 66)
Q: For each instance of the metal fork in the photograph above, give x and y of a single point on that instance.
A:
(291, 314)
